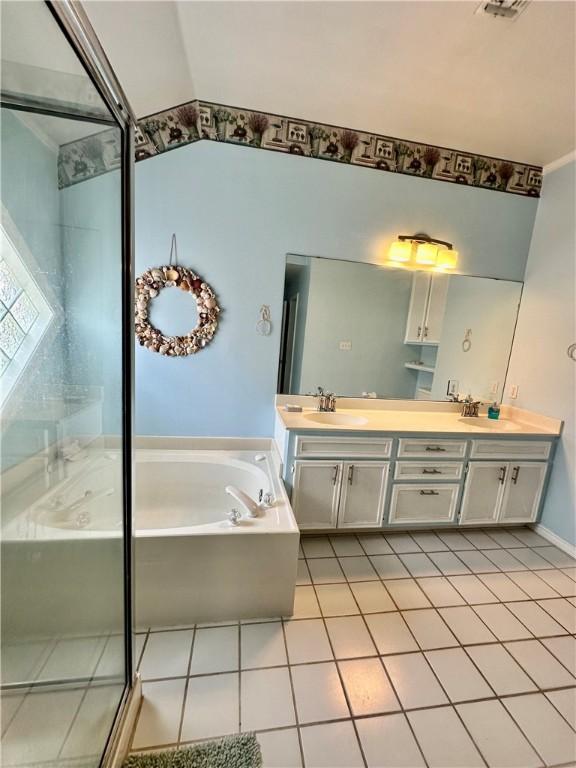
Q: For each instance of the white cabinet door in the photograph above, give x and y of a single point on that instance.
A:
(523, 492)
(483, 492)
(436, 308)
(417, 310)
(363, 494)
(316, 492)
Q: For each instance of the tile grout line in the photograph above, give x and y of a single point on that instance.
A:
(425, 659)
(239, 678)
(392, 686)
(414, 579)
(398, 698)
(83, 697)
(186, 686)
(422, 652)
(296, 718)
(342, 683)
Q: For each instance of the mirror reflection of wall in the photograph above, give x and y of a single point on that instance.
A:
(359, 329)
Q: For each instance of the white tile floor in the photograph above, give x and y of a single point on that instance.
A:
(437, 650)
(63, 725)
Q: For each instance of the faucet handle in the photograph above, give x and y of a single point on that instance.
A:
(233, 516)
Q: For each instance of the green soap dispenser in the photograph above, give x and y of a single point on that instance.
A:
(494, 411)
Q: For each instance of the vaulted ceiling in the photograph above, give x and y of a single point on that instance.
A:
(436, 72)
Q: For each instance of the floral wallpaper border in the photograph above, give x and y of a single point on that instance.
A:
(197, 120)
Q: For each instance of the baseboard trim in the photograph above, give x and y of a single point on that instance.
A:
(553, 538)
(122, 737)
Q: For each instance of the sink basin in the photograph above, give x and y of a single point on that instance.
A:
(491, 425)
(336, 419)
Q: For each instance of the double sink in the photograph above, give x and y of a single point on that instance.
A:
(373, 418)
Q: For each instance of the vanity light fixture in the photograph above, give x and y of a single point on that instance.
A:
(421, 251)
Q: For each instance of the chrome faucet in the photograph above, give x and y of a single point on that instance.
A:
(470, 406)
(326, 400)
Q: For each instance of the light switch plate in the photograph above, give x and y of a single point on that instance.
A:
(345, 346)
(452, 387)
(494, 387)
(513, 392)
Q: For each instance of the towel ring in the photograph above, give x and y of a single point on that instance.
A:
(467, 341)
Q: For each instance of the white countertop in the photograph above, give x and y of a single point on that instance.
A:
(513, 422)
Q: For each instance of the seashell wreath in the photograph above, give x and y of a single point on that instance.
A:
(148, 286)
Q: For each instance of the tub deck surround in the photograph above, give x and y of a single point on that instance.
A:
(191, 564)
(392, 464)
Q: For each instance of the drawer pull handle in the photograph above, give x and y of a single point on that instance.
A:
(350, 474)
(335, 474)
(429, 493)
(515, 473)
(435, 448)
(502, 475)
(432, 471)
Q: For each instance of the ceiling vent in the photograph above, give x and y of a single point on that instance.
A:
(508, 10)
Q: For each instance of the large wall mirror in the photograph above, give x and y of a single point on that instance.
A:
(359, 329)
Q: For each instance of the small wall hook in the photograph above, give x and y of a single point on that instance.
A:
(264, 324)
(467, 341)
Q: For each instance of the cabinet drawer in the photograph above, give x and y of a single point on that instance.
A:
(343, 446)
(428, 470)
(426, 448)
(423, 504)
(511, 449)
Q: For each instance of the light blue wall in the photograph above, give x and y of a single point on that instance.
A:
(29, 192)
(237, 213)
(545, 375)
(367, 306)
(489, 308)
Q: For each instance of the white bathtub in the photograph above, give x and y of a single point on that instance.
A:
(192, 565)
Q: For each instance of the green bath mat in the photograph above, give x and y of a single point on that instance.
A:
(241, 751)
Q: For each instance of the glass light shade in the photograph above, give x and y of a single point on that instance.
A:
(426, 253)
(400, 251)
(447, 258)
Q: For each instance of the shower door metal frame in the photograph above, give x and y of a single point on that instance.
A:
(74, 23)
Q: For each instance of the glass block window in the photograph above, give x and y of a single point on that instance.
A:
(24, 311)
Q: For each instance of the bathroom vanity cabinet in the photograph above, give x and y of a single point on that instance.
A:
(355, 482)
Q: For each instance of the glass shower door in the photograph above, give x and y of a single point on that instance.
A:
(64, 395)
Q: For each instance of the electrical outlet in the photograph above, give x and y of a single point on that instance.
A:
(494, 387)
(513, 392)
(345, 346)
(452, 387)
